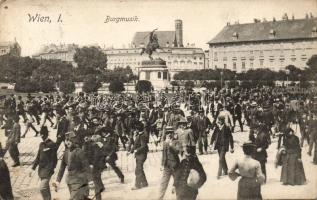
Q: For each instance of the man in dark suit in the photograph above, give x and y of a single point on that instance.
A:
(202, 124)
(5, 181)
(141, 149)
(46, 160)
(261, 142)
(170, 159)
(221, 138)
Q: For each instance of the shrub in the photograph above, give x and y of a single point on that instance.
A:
(116, 86)
(143, 86)
(91, 84)
(67, 87)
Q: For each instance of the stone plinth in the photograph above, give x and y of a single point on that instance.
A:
(155, 71)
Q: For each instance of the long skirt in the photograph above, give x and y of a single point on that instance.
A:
(292, 170)
(249, 188)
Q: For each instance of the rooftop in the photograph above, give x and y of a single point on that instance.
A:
(267, 31)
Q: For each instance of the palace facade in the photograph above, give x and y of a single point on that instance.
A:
(178, 58)
(59, 52)
(268, 44)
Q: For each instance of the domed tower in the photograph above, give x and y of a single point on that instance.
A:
(179, 32)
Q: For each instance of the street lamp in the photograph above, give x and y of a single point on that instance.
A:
(221, 74)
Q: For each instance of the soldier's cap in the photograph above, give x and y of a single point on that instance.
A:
(169, 129)
(182, 121)
(254, 103)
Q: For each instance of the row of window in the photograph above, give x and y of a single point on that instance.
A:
(243, 64)
(281, 57)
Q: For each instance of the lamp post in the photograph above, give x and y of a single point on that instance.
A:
(221, 74)
(235, 80)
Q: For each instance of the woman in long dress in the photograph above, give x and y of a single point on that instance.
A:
(249, 186)
(292, 168)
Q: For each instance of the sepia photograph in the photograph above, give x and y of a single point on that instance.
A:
(158, 99)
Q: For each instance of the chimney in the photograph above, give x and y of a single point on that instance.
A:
(285, 17)
(293, 17)
(228, 23)
(179, 32)
(274, 20)
(311, 15)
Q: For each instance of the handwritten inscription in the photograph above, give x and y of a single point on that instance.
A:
(39, 18)
(110, 19)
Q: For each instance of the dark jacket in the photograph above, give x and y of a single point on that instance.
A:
(261, 141)
(170, 153)
(140, 144)
(5, 182)
(222, 138)
(79, 171)
(46, 159)
(62, 128)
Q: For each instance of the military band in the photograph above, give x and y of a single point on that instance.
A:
(92, 128)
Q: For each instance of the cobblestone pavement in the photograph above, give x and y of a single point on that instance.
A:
(26, 187)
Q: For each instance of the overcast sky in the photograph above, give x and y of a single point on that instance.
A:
(83, 20)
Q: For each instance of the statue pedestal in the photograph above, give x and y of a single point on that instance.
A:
(156, 72)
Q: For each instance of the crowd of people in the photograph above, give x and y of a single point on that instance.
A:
(94, 127)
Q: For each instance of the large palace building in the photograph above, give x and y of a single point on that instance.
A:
(178, 58)
(63, 52)
(267, 44)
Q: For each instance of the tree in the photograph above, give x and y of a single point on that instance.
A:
(143, 86)
(116, 86)
(174, 83)
(67, 87)
(312, 63)
(90, 60)
(91, 84)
